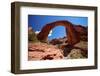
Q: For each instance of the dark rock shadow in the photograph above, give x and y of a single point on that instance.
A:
(67, 50)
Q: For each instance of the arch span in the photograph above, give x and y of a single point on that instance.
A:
(72, 35)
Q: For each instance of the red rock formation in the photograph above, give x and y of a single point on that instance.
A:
(72, 35)
(81, 29)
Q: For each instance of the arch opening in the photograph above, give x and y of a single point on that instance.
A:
(57, 32)
(72, 35)
(58, 35)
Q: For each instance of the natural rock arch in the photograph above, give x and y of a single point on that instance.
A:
(72, 35)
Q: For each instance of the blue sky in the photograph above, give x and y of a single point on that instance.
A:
(38, 21)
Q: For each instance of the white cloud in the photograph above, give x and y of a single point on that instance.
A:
(37, 32)
(50, 33)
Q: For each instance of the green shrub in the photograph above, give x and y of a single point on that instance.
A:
(32, 36)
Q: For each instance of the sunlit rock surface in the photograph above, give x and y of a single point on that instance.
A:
(43, 51)
(75, 54)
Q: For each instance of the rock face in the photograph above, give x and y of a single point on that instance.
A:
(62, 44)
(83, 46)
(58, 41)
(43, 51)
(75, 54)
(72, 35)
(82, 31)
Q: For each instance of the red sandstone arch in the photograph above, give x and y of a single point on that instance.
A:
(72, 35)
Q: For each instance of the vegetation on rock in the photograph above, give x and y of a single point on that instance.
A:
(31, 35)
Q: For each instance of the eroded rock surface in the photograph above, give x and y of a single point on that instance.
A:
(43, 51)
(75, 54)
